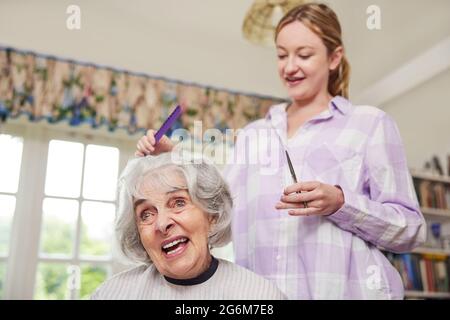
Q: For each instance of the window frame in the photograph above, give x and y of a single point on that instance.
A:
(23, 255)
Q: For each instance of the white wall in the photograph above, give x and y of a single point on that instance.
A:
(423, 117)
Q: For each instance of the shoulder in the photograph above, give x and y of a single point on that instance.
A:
(125, 280)
(374, 120)
(369, 112)
(365, 117)
(256, 124)
(251, 285)
(249, 130)
(130, 273)
(275, 110)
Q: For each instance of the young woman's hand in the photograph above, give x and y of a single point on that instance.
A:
(146, 145)
(322, 199)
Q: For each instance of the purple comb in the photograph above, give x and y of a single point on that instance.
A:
(168, 123)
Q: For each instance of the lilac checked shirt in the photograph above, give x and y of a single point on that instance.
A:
(325, 257)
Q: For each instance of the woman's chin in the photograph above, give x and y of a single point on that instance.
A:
(180, 267)
(300, 95)
(296, 93)
(297, 97)
(179, 271)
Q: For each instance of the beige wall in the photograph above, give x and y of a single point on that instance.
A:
(423, 117)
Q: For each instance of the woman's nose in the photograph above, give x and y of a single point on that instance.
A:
(164, 222)
(291, 67)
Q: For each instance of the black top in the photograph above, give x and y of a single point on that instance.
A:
(198, 279)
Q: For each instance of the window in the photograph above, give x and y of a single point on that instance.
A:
(57, 208)
(78, 213)
(10, 160)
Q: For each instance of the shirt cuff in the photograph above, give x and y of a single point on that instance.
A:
(348, 216)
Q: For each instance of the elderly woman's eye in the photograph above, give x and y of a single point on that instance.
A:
(180, 203)
(146, 215)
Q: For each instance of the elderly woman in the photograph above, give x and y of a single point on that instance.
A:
(170, 214)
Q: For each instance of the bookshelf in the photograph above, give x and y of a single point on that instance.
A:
(432, 209)
(426, 270)
(426, 295)
(441, 215)
(416, 174)
(432, 251)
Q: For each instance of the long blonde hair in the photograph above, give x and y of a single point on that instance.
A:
(323, 21)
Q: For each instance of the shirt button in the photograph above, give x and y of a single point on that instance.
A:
(278, 257)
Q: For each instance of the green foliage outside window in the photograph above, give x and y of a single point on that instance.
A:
(4, 234)
(2, 278)
(52, 278)
(91, 278)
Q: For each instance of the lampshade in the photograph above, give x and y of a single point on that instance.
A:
(262, 18)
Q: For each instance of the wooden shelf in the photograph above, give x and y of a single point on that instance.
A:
(424, 295)
(424, 250)
(430, 177)
(439, 214)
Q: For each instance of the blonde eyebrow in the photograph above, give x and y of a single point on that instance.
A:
(297, 49)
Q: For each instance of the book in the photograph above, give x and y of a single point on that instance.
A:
(423, 275)
(423, 272)
(425, 194)
(407, 261)
(441, 276)
(418, 285)
(430, 276)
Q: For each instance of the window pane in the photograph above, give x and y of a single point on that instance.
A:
(11, 157)
(100, 172)
(65, 161)
(51, 282)
(7, 207)
(91, 277)
(58, 226)
(2, 278)
(97, 228)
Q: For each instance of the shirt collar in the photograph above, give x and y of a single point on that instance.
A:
(206, 275)
(277, 113)
(277, 116)
(341, 104)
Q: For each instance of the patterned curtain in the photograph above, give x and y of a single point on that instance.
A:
(45, 87)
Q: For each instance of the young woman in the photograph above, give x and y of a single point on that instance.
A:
(320, 238)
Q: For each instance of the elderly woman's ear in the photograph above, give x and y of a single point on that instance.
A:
(212, 225)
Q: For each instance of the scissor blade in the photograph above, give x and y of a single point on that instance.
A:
(291, 168)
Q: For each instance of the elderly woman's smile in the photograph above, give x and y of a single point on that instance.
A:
(174, 246)
(173, 230)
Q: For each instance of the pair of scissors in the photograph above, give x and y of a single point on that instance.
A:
(294, 177)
